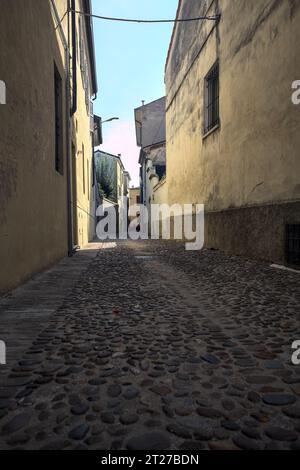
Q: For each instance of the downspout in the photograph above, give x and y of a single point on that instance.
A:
(68, 128)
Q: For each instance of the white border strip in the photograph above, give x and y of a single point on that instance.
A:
(285, 268)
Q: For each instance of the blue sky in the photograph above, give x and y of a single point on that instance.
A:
(130, 67)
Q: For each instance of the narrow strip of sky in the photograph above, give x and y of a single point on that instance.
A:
(130, 65)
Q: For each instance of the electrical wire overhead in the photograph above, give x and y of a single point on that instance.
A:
(128, 20)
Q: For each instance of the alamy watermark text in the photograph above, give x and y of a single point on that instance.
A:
(2, 353)
(180, 222)
(2, 92)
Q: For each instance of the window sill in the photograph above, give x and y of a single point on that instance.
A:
(211, 131)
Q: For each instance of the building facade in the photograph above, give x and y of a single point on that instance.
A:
(134, 202)
(150, 125)
(45, 124)
(232, 130)
(83, 125)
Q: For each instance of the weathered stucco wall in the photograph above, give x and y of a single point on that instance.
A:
(253, 158)
(82, 139)
(134, 193)
(33, 195)
(33, 209)
(160, 192)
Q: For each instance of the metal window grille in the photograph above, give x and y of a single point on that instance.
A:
(212, 118)
(58, 121)
(293, 245)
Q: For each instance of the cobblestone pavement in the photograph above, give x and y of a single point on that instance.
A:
(157, 348)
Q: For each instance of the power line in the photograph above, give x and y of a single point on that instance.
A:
(128, 20)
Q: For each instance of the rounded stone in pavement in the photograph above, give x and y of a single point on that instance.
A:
(191, 445)
(16, 423)
(19, 381)
(97, 429)
(4, 403)
(107, 417)
(278, 399)
(273, 365)
(247, 362)
(251, 432)
(246, 443)
(281, 434)
(97, 381)
(231, 425)
(56, 445)
(79, 409)
(149, 441)
(129, 418)
(229, 405)
(114, 390)
(260, 379)
(168, 411)
(152, 423)
(209, 412)
(94, 440)
(79, 432)
(131, 392)
(161, 389)
(254, 397)
(292, 412)
(179, 431)
(222, 445)
(210, 358)
(18, 439)
(202, 428)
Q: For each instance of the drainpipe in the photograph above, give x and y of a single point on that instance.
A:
(68, 128)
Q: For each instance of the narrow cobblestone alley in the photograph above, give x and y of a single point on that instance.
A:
(158, 348)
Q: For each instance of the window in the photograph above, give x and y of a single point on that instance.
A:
(138, 199)
(293, 245)
(58, 121)
(212, 99)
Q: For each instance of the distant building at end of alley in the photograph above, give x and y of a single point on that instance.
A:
(111, 179)
(134, 202)
(150, 125)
